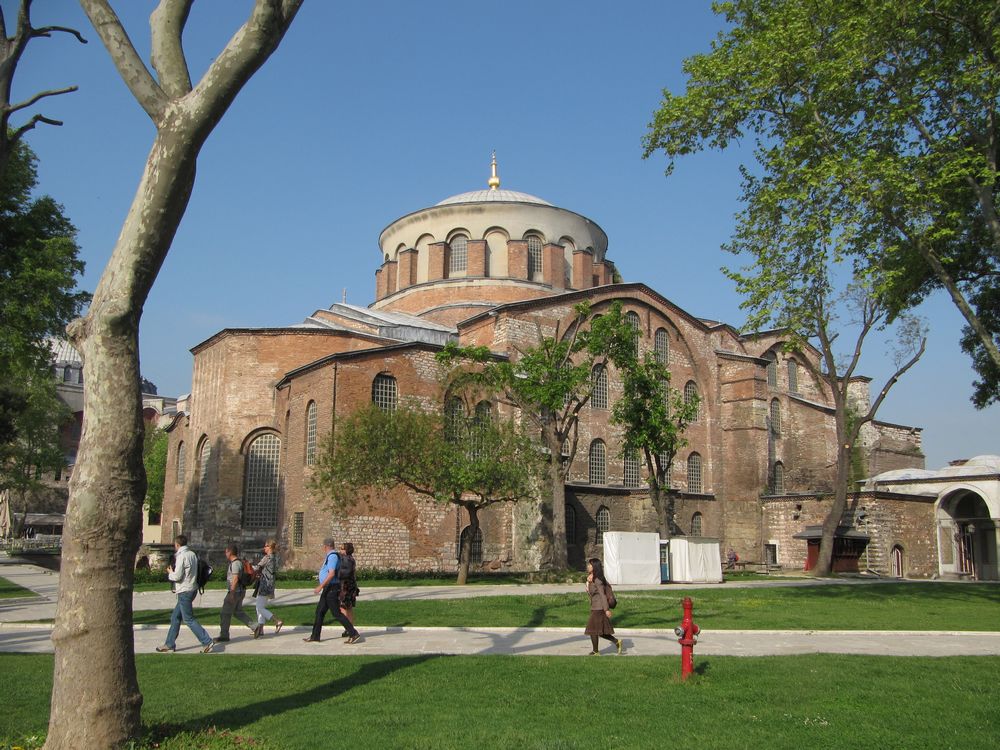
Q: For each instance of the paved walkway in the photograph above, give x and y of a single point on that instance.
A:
(22, 637)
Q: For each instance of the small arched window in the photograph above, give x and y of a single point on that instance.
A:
(694, 473)
(599, 387)
(691, 395)
(778, 479)
(793, 376)
(534, 257)
(772, 369)
(775, 417)
(260, 503)
(630, 469)
(633, 322)
(603, 524)
(661, 346)
(311, 433)
(696, 525)
(570, 524)
(181, 459)
(598, 463)
(67, 374)
(384, 394)
(476, 553)
(458, 255)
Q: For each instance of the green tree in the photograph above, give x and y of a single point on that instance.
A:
(154, 460)
(549, 383)
(894, 105)
(653, 417)
(470, 463)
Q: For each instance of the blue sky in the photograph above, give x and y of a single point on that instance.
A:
(369, 111)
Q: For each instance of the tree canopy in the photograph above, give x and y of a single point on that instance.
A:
(893, 109)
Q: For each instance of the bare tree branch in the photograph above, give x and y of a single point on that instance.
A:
(46, 31)
(15, 135)
(167, 27)
(40, 95)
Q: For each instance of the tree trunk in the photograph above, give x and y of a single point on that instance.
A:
(662, 503)
(824, 563)
(465, 549)
(558, 554)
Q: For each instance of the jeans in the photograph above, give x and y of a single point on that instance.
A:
(184, 610)
(263, 613)
(329, 601)
(232, 606)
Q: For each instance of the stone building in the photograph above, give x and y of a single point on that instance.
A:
(493, 267)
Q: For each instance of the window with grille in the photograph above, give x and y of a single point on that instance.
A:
(793, 376)
(260, 504)
(599, 388)
(691, 394)
(598, 463)
(778, 479)
(311, 433)
(204, 457)
(630, 470)
(603, 524)
(772, 369)
(181, 458)
(458, 256)
(570, 524)
(454, 419)
(661, 346)
(776, 418)
(696, 524)
(476, 553)
(298, 528)
(632, 321)
(694, 473)
(384, 394)
(534, 257)
(175, 529)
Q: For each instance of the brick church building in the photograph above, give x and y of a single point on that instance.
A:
(492, 267)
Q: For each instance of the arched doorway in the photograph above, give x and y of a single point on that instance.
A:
(896, 560)
(968, 537)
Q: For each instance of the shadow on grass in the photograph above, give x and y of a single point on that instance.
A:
(234, 717)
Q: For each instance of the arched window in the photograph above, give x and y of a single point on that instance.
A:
(458, 255)
(260, 499)
(570, 524)
(599, 387)
(775, 417)
(484, 412)
(67, 374)
(598, 469)
(204, 458)
(454, 419)
(603, 524)
(476, 553)
(772, 369)
(691, 394)
(778, 479)
(793, 376)
(384, 394)
(632, 321)
(661, 346)
(696, 525)
(311, 433)
(630, 469)
(534, 257)
(694, 473)
(896, 556)
(181, 459)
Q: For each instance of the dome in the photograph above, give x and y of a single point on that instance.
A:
(493, 196)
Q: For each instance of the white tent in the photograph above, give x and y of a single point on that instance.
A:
(695, 559)
(632, 557)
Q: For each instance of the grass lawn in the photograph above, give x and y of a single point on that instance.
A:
(879, 606)
(10, 590)
(820, 701)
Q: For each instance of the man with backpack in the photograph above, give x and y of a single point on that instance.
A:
(184, 575)
(329, 599)
(236, 584)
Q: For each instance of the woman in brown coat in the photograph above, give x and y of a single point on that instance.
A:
(599, 624)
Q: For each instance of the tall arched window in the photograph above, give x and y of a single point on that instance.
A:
(694, 473)
(311, 433)
(260, 499)
(476, 553)
(661, 346)
(775, 417)
(599, 387)
(772, 369)
(534, 257)
(603, 524)
(384, 394)
(633, 322)
(570, 524)
(484, 412)
(454, 419)
(181, 460)
(793, 376)
(204, 458)
(458, 255)
(598, 469)
(696, 525)
(691, 394)
(630, 469)
(778, 479)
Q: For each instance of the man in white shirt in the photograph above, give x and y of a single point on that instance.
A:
(184, 574)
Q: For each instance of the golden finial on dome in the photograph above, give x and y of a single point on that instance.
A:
(494, 181)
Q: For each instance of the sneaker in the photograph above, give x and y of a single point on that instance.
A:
(620, 646)
(209, 648)
(354, 638)
(222, 639)
(164, 650)
(594, 653)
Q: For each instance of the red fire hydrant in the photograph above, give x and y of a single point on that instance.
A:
(687, 636)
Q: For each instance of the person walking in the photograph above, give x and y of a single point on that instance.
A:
(266, 569)
(347, 573)
(232, 605)
(599, 624)
(329, 599)
(184, 575)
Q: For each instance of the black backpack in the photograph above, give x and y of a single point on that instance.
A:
(204, 574)
(247, 574)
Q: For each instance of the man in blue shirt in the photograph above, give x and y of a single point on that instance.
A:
(329, 599)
